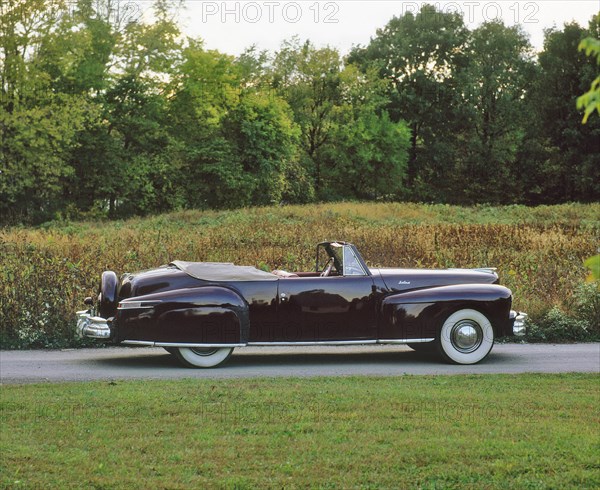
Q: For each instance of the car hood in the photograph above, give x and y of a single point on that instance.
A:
(411, 279)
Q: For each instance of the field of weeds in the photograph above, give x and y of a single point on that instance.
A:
(46, 272)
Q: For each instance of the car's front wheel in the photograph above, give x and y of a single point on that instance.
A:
(202, 357)
(466, 337)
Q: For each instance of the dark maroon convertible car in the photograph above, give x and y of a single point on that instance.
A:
(201, 311)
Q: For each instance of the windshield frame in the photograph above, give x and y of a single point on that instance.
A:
(342, 254)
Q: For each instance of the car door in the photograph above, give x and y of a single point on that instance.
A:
(326, 309)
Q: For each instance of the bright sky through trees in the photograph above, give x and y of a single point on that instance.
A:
(232, 26)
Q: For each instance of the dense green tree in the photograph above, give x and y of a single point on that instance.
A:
(566, 163)
(420, 56)
(309, 79)
(109, 113)
(496, 77)
(151, 50)
(265, 137)
(348, 141)
(35, 146)
(253, 67)
(366, 155)
(38, 125)
(123, 162)
(77, 57)
(204, 89)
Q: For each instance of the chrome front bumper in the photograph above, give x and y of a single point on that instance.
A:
(519, 327)
(94, 327)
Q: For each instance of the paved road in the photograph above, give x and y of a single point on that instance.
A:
(155, 363)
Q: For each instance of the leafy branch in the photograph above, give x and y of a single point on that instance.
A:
(590, 101)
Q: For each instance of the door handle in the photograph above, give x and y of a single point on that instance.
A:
(283, 297)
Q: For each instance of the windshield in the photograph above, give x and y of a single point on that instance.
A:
(352, 266)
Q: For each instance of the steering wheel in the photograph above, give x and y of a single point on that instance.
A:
(327, 269)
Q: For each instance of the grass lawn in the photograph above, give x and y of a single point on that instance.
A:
(478, 431)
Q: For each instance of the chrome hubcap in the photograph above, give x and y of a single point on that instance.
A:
(466, 336)
(204, 351)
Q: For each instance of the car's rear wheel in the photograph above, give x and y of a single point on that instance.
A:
(466, 337)
(202, 357)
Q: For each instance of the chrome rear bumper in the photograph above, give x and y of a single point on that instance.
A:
(519, 327)
(94, 327)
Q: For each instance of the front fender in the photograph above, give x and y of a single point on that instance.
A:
(205, 315)
(418, 314)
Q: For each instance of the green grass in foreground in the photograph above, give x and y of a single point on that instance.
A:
(480, 431)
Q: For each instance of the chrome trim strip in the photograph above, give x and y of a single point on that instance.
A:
(134, 307)
(138, 342)
(179, 344)
(321, 342)
(128, 304)
(147, 343)
(279, 344)
(404, 341)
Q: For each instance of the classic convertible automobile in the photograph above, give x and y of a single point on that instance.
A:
(201, 311)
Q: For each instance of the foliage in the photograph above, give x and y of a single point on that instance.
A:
(516, 431)
(590, 101)
(36, 142)
(587, 306)
(107, 114)
(46, 272)
(493, 81)
(593, 264)
(265, 140)
(561, 156)
(348, 142)
(369, 158)
(580, 321)
(488, 123)
(575, 318)
(309, 79)
(419, 57)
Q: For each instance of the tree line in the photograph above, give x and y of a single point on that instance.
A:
(104, 117)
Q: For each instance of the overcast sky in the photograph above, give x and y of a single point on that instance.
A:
(231, 26)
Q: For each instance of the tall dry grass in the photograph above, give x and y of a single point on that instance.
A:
(46, 272)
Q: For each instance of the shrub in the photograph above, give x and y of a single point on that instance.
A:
(582, 323)
(46, 272)
(587, 306)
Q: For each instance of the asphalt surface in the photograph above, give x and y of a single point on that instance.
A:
(114, 363)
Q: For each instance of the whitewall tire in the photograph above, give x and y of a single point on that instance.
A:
(203, 357)
(466, 337)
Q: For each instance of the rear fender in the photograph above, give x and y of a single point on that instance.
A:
(419, 314)
(211, 315)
